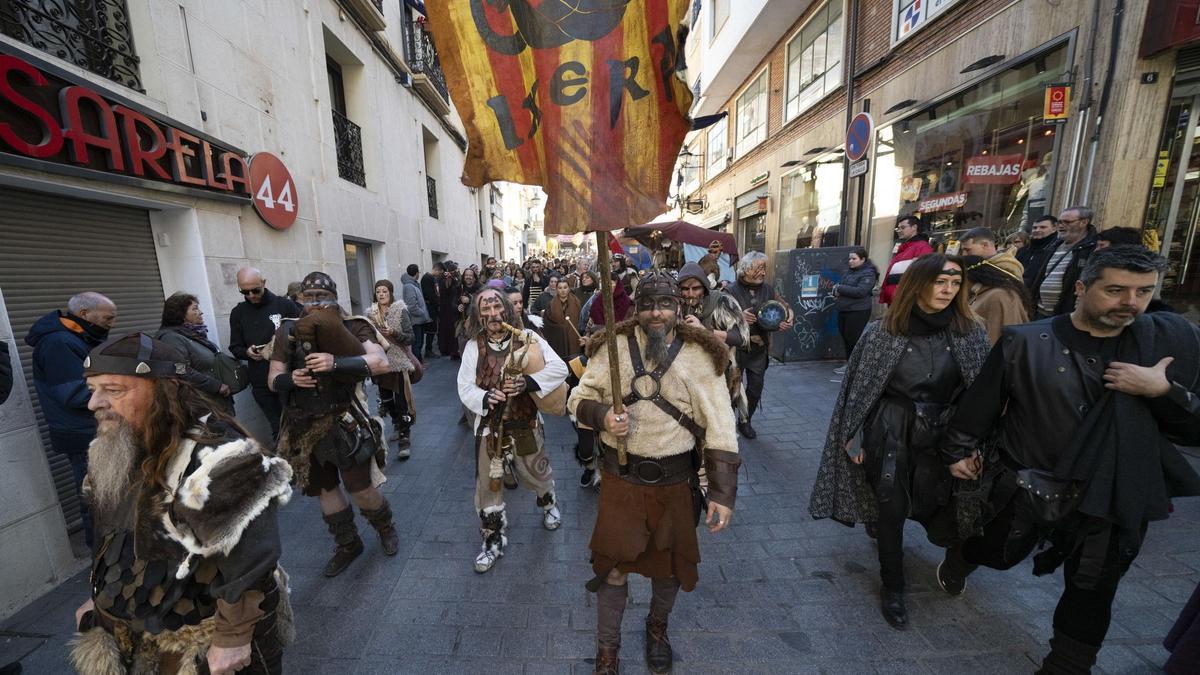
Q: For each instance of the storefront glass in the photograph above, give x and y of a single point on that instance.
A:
(810, 210)
(981, 157)
(751, 222)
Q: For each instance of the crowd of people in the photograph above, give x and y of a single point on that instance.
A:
(1001, 395)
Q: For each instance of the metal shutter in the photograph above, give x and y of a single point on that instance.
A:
(53, 247)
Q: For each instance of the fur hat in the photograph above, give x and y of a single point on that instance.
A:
(657, 283)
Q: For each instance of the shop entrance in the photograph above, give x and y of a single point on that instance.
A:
(359, 273)
(1173, 210)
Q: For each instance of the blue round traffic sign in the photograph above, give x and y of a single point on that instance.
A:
(858, 136)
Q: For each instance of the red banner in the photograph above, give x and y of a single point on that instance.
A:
(993, 170)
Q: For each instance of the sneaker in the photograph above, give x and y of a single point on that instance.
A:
(552, 519)
(487, 558)
(952, 572)
(404, 452)
(586, 479)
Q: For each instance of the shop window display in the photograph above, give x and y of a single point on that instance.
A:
(981, 157)
(810, 210)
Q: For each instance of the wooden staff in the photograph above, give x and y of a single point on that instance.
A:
(614, 368)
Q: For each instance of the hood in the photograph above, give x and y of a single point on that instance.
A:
(54, 323)
(692, 271)
(405, 279)
(1007, 262)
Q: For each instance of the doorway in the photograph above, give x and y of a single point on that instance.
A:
(359, 269)
(1173, 210)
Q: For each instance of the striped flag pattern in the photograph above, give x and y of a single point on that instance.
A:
(581, 97)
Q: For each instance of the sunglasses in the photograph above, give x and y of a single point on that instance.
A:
(252, 291)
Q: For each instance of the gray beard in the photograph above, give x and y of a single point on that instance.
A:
(112, 459)
(656, 346)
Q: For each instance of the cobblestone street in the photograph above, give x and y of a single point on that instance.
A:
(778, 593)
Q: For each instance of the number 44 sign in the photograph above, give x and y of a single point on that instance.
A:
(274, 190)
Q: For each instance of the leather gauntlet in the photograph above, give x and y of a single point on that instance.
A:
(351, 368)
(591, 413)
(721, 467)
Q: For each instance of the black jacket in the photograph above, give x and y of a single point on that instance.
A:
(854, 290)
(1077, 259)
(429, 290)
(251, 324)
(1033, 256)
(6, 376)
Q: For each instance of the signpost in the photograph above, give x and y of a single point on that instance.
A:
(859, 168)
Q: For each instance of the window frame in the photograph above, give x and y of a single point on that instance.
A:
(765, 76)
(712, 168)
(894, 31)
(827, 87)
(714, 28)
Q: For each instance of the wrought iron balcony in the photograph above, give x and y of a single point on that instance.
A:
(431, 193)
(92, 34)
(422, 58)
(348, 137)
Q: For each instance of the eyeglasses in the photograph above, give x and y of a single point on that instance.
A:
(252, 291)
(1068, 221)
(662, 303)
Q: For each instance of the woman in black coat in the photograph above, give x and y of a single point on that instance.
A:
(183, 327)
(854, 297)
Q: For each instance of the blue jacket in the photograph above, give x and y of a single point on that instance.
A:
(58, 354)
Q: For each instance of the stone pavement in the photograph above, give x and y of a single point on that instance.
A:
(778, 593)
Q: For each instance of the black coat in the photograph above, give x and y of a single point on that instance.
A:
(251, 324)
(854, 290)
(6, 376)
(1033, 256)
(429, 289)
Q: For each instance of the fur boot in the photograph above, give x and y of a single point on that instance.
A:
(345, 535)
(492, 525)
(381, 520)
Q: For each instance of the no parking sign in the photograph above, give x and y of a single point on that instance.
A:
(858, 136)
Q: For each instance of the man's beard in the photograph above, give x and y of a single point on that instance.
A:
(1111, 319)
(656, 341)
(113, 457)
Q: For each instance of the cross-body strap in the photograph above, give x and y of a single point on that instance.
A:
(639, 369)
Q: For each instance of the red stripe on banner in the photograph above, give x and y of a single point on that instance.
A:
(510, 78)
(610, 198)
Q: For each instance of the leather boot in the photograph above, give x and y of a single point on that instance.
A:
(610, 609)
(658, 647)
(1068, 656)
(381, 520)
(953, 571)
(744, 427)
(893, 609)
(345, 535)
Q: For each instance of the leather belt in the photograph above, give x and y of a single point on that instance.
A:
(652, 471)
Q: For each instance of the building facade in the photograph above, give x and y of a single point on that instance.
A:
(985, 112)
(149, 147)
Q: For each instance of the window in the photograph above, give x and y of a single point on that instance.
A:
(337, 87)
(814, 60)
(718, 151)
(718, 14)
(689, 169)
(752, 116)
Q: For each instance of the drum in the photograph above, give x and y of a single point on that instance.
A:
(771, 314)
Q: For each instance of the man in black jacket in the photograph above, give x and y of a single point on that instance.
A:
(1043, 237)
(1053, 289)
(1087, 409)
(252, 325)
(6, 376)
(432, 293)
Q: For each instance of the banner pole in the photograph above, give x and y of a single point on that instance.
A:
(603, 261)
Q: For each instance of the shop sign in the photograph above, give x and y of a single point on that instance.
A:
(859, 168)
(760, 178)
(993, 170)
(53, 120)
(1058, 102)
(1161, 167)
(944, 202)
(909, 16)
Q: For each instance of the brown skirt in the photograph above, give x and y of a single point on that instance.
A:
(646, 530)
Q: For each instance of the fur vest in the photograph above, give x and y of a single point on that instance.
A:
(840, 491)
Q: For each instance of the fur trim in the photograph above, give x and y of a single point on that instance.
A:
(96, 653)
(211, 522)
(285, 618)
(717, 351)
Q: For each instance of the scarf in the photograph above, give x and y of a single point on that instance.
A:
(921, 323)
(92, 330)
(199, 329)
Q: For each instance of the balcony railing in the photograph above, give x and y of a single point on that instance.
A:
(348, 137)
(422, 58)
(92, 34)
(431, 194)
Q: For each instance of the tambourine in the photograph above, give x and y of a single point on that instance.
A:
(771, 314)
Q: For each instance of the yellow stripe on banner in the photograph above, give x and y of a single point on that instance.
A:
(640, 119)
(574, 147)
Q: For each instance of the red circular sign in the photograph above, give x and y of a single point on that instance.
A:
(273, 191)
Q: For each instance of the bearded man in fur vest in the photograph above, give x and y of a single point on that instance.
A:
(677, 410)
(185, 570)
(504, 380)
(719, 313)
(317, 366)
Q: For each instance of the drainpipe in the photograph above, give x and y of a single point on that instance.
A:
(1114, 41)
(1085, 110)
(851, 53)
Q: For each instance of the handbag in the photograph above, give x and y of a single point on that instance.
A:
(231, 372)
(1045, 498)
